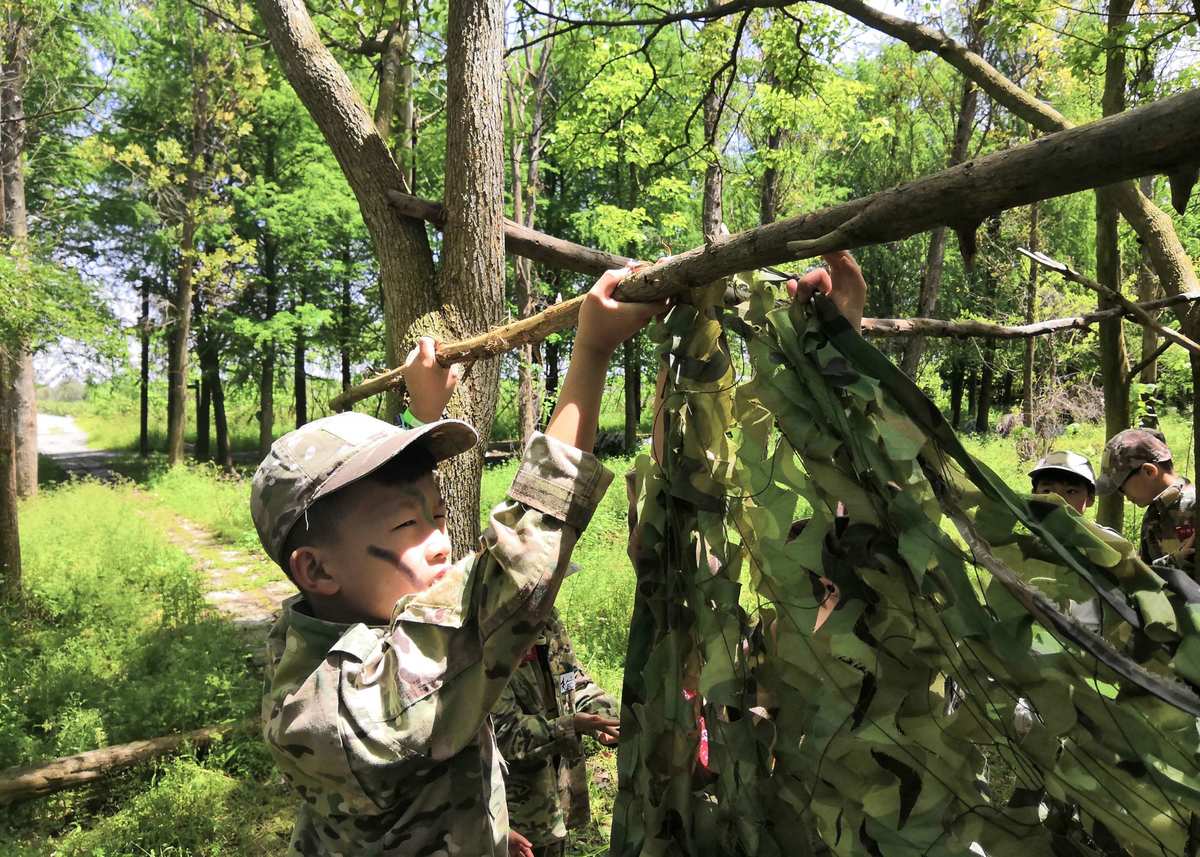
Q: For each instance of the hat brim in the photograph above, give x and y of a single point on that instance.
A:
(1110, 483)
(1054, 468)
(443, 439)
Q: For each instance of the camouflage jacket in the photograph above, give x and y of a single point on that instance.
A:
(1168, 523)
(384, 731)
(547, 778)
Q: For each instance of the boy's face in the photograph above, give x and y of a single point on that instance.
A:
(1143, 485)
(391, 541)
(1077, 496)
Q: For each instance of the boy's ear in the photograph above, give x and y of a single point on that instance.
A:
(310, 574)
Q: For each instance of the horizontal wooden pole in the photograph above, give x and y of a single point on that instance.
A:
(1144, 141)
(519, 240)
(888, 327)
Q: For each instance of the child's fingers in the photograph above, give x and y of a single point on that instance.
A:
(816, 280)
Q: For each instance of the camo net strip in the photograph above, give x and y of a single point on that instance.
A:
(945, 700)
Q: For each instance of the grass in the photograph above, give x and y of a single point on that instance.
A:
(112, 643)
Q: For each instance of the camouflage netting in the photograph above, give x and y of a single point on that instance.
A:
(931, 712)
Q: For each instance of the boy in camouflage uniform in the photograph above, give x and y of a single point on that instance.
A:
(549, 703)
(382, 671)
(1137, 462)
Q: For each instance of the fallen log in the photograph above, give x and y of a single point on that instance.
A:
(83, 768)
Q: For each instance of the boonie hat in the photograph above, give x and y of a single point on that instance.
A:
(1125, 452)
(327, 454)
(1065, 462)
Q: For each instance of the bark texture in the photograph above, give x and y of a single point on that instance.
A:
(1114, 361)
(472, 283)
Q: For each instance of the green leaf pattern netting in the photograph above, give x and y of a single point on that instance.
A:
(949, 705)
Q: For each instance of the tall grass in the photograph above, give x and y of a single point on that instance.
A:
(113, 642)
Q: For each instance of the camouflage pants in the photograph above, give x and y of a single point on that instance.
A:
(558, 849)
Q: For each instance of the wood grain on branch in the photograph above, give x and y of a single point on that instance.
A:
(560, 316)
(1138, 142)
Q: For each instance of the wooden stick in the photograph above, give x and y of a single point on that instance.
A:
(82, 768)
(538, 327)
(1129, 306)
(971, 329)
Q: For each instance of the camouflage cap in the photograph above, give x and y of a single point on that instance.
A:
(327, 454)
(1065, 462)
(1125, 452)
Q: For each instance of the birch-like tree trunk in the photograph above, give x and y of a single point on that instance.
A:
(16, 229)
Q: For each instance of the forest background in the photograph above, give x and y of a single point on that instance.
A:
(161, 174)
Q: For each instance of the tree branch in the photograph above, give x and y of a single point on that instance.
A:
(1153, 226)
(519, 240)
(1129, 306)
(1137, 142)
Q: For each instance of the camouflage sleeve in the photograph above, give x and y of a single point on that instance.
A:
(587, 696)
(521, 735)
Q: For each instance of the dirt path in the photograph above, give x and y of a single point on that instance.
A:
(242, 585)
(61, 439)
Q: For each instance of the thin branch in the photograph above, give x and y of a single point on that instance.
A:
(1129, 306)
(1146, 361)
(701, 16)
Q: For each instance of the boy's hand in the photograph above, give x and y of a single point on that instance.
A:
(429, 384)
(604, 323)
(843, 284)
(518, 845)
(606, 730)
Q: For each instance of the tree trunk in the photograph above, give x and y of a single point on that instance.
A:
(1114, 364)
(266, 378)
(10, 538)
(144, 333)
(956, 392)
(177, 382)
(300, 376)
(202, 451)
(16, 228)
(768, 199)
(1148, 291)
(1030, 305)
(931, 283)
(224, 454)
(983, 403)
(411, 303)
(525, 198)
(972, 389)
(472, 283)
